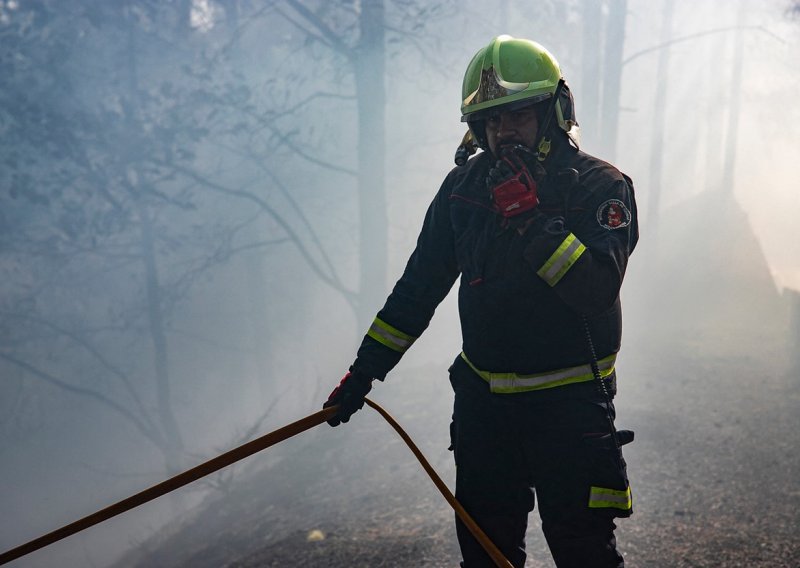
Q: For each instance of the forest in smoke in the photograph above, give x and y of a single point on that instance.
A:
(203, 203)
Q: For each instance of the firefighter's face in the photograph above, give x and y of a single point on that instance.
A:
(512, 127)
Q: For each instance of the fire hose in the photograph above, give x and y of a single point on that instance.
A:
(237, 454)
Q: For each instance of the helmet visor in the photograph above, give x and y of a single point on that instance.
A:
(508, 107)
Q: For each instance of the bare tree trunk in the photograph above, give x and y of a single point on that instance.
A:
(612, 75)
(155, 318)
(173, 441)
(589, 102)
(735, 90)
(714, 121)
(503, 11)
(254, 263)
(257, 317)
(370, 60)
(793, 300)
(659, 122)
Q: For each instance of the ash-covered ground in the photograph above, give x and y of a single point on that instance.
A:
(715, 470)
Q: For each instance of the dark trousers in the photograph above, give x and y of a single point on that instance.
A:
(513, 448)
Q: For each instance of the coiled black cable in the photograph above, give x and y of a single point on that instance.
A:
(602, 387)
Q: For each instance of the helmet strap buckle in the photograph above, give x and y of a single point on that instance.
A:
(543, 145)
(543, 149)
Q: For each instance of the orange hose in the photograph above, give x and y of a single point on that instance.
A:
(238, 454)
(490, 548)
(172, 483)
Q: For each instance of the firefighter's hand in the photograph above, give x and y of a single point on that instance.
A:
(543, 238)
(512, 181)
(555, 226)
(513, 160)
(349, 395)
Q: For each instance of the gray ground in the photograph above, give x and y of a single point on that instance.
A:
(714, 468)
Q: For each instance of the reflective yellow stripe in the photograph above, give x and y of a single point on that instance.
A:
(567, 253)
(390, 336)
(513, 382)
(603, 498)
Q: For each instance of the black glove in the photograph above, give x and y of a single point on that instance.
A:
(555, 226)
(543, 239)
(512, 180)
(349, 395)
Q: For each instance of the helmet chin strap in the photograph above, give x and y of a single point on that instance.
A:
(543, 144)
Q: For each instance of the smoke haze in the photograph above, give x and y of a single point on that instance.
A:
(190, 246)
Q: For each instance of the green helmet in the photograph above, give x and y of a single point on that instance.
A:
(511, 73)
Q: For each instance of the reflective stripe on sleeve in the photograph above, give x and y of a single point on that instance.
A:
(390, 336)
(514, 382)
(567, 253)
(603, 498)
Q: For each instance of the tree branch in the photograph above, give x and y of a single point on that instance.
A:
(331, 280)
(313, 96)
(269, 124)
(639, 54)
(303, 154)
(222, 480)
(307, 32)
(143, 428)
(335, 41)
(298, 211)
(94, 352)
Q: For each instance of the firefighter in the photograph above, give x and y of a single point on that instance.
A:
(539, 234)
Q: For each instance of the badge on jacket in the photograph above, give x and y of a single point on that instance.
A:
(613, 214)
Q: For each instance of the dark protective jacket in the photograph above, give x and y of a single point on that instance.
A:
(530, 286)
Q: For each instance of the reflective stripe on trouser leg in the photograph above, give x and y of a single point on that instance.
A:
(603, 498)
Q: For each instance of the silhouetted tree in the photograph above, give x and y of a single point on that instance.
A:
(119, 123)
(89, 254)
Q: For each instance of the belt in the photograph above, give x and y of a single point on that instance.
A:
(514, 382)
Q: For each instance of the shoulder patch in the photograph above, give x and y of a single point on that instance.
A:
(613, 214)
